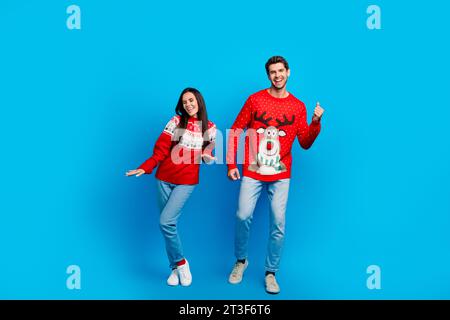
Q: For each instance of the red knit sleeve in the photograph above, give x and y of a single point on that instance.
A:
(162, 146)
(211, 136)
(306, 134)
(242, 122)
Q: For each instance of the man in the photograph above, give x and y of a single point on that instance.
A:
(273, 118)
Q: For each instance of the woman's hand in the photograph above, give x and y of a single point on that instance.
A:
(207, 158)
(137, 172)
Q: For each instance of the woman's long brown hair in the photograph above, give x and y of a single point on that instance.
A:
(202, 115)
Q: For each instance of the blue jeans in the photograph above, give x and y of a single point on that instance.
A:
(248, 196)
(171, 199)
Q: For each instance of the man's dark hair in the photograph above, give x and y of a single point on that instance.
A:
(276, 59)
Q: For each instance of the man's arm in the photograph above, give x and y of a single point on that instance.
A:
(306, 134)
(242, 122)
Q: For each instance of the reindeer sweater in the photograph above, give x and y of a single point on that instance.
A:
(272, 125)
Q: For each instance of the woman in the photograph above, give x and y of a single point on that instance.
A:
(187, 139)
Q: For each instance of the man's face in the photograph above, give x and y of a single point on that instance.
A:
(278, 75)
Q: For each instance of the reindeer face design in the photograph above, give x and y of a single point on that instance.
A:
(268, 159)
(270, 144)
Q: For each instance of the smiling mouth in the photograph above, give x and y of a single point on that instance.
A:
(270, 152)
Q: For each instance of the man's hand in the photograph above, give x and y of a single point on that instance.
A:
(318, 112)
(233, 174)
(137, 172)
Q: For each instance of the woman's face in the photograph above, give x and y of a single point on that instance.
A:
(190, 104)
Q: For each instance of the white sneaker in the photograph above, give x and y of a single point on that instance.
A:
(272, 286)
(184, 274)
(173, 279)
(238, 272)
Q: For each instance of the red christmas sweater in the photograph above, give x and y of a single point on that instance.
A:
(272, 125)
(178, 152)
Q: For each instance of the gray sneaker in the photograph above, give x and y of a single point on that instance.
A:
(272, 286)
(237, 272)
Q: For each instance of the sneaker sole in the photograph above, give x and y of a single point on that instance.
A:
(172, 284)
(186, 284)
(235, 282)
(270, 292)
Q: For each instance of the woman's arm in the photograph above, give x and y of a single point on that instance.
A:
(161, 149)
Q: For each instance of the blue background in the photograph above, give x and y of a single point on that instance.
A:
(80, 107)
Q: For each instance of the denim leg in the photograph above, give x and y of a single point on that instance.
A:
(172, 199)
(278, 195)
(248, 196)
(164, 191)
